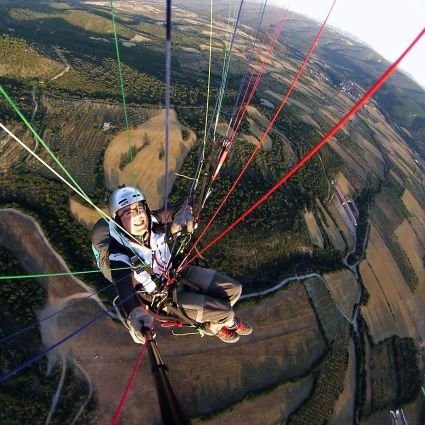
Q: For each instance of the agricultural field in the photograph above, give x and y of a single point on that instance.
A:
(413, 206)
(143, 164)
(366, 152)
(313, 229)
(330, 227)
(386, 312)
(283, 336)
(415, 303)
(345, 186)
(329, 384)
(271, 407)
(84, 215)
(336, 214)
(344, 408)
(328, 315)
(389, 212)
(345, 290)
(81, 139)
(413, 246)
(395, 375)
(384, 377)
(356, 164)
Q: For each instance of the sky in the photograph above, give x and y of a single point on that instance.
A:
(388, 26)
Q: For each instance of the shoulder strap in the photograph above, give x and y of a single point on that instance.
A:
(100, 245)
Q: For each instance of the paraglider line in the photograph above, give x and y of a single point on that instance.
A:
(313, 151)
(223, 155)
(167, 104)
(124, 103)
(248, 65)
(313, 45)
(33, 325)
(129, 385)
(57, 344)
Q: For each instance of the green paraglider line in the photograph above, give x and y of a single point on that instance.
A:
(43, 143)
(127, 126)
(30, 276)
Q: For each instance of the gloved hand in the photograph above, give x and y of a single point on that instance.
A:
(145, 279)
(139, 321)
(183, 218)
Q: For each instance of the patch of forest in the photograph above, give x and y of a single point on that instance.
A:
(395, 375)
(329, 384)
(47, 201)
(27, 396)
(273, 239)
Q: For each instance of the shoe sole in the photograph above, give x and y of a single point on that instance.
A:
(244, 333)
(227, 341)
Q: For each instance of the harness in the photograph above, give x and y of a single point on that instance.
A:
(163, 303)
(165, 311)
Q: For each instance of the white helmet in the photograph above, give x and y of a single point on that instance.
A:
(123, 196)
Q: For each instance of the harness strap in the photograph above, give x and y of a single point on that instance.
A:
(179, 312)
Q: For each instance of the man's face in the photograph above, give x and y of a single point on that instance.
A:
(134, 219)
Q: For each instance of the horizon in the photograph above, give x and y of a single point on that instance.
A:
(407, 17)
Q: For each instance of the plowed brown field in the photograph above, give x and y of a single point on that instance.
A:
(386, 312)
(86, 216)
(412, 246)
(344, 408)
(344, 289)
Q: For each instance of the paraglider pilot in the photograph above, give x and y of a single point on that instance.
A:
(148, 254)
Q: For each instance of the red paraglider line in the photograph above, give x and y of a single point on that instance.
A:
(128, 387)
(243, 109)
(313, 45)
(313, 151)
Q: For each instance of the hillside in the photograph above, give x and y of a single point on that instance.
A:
(338, 249)
(343, 61)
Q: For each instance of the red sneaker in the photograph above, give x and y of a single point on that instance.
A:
(227, 335)
(241, 328)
